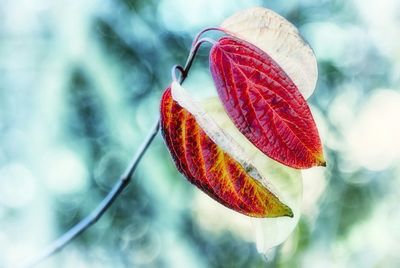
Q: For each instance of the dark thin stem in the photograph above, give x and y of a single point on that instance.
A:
(192, 55)
(196, 39)
(173, 72)
(197, 42)
(95, 215)
(125, 178)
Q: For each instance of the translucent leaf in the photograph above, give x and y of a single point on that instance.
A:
(279, 39)
(286, 181)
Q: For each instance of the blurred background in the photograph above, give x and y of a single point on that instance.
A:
(80, 83)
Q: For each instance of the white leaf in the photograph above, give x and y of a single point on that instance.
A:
(284, 182)
(280, 40)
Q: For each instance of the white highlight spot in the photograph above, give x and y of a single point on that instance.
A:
(66, 172)
(17, 186)
(374, 140)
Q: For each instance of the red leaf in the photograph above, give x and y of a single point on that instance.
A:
(264, 103)
(214, 171)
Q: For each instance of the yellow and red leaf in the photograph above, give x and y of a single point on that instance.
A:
(208, 166)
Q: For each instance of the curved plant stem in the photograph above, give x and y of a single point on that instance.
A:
(193, 51)
(196, 39)
(125, 178)
(173, 72)
(95, 215)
